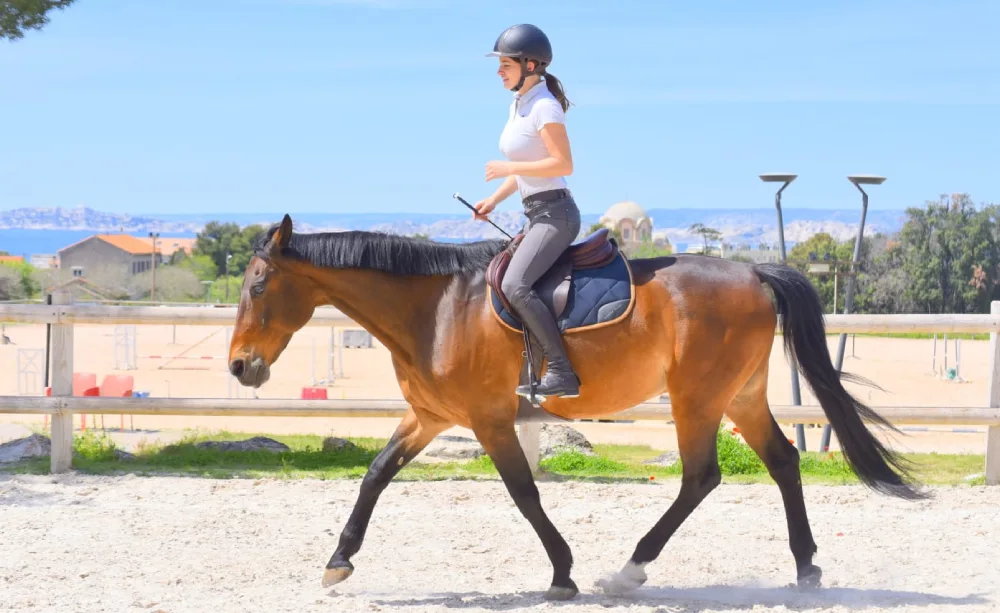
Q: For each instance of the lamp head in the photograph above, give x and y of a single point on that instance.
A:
(777, 177)
(866, 179)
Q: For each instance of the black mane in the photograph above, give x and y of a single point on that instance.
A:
(391, 253)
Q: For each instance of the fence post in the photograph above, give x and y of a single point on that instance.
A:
(993, 432)
(529, 435)
(62, 386)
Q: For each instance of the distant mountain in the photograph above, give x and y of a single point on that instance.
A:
(84, 218)
(738, 226)
(753, 226)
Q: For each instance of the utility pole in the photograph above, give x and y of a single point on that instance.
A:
(152, 257)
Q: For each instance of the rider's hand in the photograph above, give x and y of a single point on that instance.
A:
(483, 208)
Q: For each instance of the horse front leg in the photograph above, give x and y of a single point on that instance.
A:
(501, 444)
(410, 438)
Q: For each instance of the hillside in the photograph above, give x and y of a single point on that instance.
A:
(750, 226)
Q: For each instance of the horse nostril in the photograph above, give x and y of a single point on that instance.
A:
(237, 367)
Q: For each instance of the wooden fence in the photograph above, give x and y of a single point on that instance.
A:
(62, 405)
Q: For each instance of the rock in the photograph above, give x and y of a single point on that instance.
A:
(29, 447)
(454, 448)
(667, 459)
(257, 443)
(556, 438)
(123, 455)
(332, 443)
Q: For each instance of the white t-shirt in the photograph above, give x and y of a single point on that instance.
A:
(521, 141)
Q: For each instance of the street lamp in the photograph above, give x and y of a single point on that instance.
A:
(800, 431)
(858, 181)
(229, 256)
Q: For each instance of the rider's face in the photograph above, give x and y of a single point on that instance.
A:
(510, 71)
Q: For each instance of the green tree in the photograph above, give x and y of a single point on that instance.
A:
(217, 240)
(201, 265)
(943, 245)
(708, 235)
(18, 16)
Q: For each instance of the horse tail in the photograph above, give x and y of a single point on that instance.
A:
(804, 333)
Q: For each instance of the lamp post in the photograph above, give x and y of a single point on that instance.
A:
(800, 431)
(858, 181)
(229, 256)
(152, 257)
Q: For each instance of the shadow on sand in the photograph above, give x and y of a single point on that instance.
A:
(708, 598)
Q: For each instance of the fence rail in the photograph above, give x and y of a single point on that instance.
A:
(62, 316)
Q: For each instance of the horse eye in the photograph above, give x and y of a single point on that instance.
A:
(257, 289)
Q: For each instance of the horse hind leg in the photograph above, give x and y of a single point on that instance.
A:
(752, 415)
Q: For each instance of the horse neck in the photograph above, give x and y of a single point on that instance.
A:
(394, 309)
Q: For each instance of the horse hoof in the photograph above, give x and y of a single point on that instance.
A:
(809, 577)
(562, 592)
(628, 579)
(333, 576)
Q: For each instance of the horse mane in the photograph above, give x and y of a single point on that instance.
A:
(390, 253)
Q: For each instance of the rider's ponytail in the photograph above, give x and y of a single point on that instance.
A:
(555, 87)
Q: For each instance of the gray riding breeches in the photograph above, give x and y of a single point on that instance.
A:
(552, 227)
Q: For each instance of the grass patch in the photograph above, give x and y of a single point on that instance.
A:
(96, 454)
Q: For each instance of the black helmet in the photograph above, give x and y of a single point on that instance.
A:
(524, 42)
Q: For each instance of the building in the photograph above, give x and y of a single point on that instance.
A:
(168, 245)
(109, 253)
(630, 220)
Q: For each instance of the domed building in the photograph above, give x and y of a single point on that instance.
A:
(630, 220)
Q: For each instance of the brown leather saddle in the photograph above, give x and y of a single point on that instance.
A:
(596, 250)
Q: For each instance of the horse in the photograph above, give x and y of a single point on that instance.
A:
(696, 327)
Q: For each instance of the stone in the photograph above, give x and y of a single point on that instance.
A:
(454, 448)
(556, 438)
(19, 449)
(666, 459)
(257, 443)
(332, 444)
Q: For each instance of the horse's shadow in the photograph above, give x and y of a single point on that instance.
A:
(707, 598)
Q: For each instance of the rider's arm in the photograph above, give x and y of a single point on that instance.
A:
(559, 163)
(508, 187)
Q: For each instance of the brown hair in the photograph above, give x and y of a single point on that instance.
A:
(554, 86)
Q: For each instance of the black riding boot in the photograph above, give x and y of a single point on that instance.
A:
(559, 378)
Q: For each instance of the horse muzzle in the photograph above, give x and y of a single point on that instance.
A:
(251, 373)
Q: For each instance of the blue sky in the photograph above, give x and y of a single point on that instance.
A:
(342, 106)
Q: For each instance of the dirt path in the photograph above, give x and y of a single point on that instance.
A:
(82, 543)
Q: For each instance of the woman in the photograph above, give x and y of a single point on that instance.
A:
(534, 140)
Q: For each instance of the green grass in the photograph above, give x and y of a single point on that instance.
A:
(96, 454)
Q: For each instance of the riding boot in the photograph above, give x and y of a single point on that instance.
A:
(559, 379)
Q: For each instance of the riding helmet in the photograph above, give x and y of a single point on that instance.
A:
(524, 42)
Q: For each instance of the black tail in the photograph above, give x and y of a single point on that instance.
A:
(805, 343)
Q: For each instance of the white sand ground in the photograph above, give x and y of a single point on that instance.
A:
(902, 367)
(164, 544)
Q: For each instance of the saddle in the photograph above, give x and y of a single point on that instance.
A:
(589, 285)
(596, 250)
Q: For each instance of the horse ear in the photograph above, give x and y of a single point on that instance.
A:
(283, 235)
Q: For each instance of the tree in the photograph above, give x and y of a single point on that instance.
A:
(17, 16)
(201, 265)
(707, 234)
(217, 240)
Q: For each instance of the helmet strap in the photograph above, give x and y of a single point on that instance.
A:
(525, 73)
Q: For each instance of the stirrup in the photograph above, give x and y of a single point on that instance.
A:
(532, 382)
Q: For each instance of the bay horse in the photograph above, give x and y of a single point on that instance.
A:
(700, 328)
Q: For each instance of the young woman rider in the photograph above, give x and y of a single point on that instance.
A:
(534, 141)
